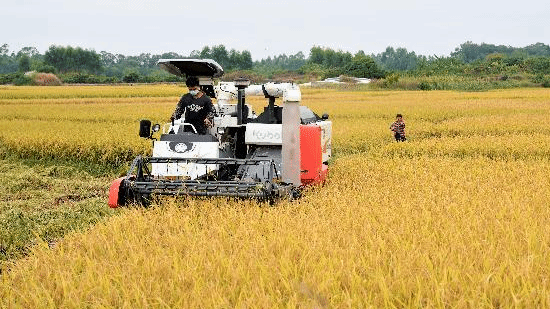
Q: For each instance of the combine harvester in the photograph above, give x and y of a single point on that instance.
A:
(267, 157)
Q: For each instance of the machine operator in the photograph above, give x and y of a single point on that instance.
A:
(196, 107)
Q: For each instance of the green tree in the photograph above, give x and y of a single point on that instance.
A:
(282, 62)
(538, 65)
(537, 49)
(397, 59)
(8, 63)
(440, 66)
(69, 59)
(232, 60)
(131, 77)
(365, 67)
(316, 55)
(4, 50)
(24, 63)
(469, 52)
(333, 62)
(108, 59)
(205, 53)
(220, 55)
(46, 68)
(29, 51)
(246, 62)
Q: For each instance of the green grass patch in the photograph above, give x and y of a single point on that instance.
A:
(42, 201)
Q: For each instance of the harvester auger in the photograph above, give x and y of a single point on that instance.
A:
(267, 157)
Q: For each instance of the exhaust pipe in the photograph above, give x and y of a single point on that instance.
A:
(241, 84)
(291, 136)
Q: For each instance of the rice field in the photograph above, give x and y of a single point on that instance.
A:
(455, 217)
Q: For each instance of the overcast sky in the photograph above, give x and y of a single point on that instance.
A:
(269, 28)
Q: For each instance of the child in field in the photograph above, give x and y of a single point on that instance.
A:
(398, 128)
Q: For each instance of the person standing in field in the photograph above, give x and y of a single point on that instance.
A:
(196, 107)
(398, 128)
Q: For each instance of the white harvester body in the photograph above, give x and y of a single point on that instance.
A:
(264, 156)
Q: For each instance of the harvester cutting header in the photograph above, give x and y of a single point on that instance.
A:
(267, 156)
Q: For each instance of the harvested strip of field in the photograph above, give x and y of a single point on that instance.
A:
(42, 202)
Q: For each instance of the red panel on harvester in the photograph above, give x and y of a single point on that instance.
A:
(311, 155)
(114, 193)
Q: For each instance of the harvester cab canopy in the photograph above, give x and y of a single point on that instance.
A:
(204, 69)
(192, 67)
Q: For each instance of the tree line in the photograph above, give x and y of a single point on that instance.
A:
(75, 64)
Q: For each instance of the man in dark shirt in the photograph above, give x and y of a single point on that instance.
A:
(196, 107)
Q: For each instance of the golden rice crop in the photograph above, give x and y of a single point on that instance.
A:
(455, 217)
(73, 141)
(97, 130)
(421, 232)
(113, 120)
(92, 91)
